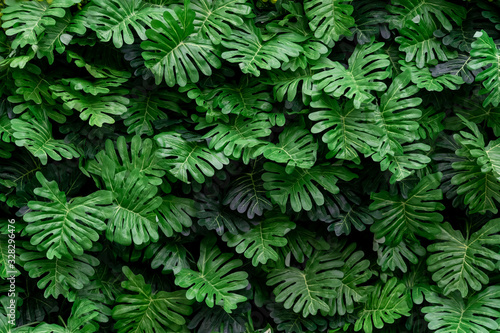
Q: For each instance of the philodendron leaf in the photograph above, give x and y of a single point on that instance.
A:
(184, 156)
(212, 282)
(296, 148)
(66, 228)
(258, 243)
(459, 262)
(302, 186)
(386, 303)
(478, 313)
(415, 215)
(142, 310)
(172, 52)
(307, 291)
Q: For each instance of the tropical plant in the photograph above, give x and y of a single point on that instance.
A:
(249, 166)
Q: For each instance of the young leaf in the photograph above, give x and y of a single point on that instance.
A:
(397, 115)
(98, 110)
(356, 271)
(175, 213)
(239, 133)
(247, 194)
(408, 10)
(419, 43)
(28, 20)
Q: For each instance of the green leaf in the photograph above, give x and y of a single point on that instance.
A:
(289, 83)
(55, 38)
(173, 54)
(172, 255)
(460, 262)
(349, 130)
(424, 79)
(98, 110)
(456, 67)
(142, 310)
(248, 98)
(33, 85)
(142, 156)
(65, 228)
(356, 271)
(290, 321)
(238, 134)
(28, 20)
(188, 156)
(59, 276)
(397, 115)
(456, 314)
(402, 165)
(301, 185)
(407, 10)
(302, 242)
(329, 19)
(307, 291)
(258, 243)
(363, 74)
(214, 19)
(415, 215)
(386, 303)
(419, 43)
(148, 108)
(213, 216)
(247, 194)
(35, 134)
(213, 282)
(251, 51)
(113, 19)
(133, 210)
(392, 257)
(474, 172)
(485, 53)
(175, 213)
(430, 123)
(296, 148)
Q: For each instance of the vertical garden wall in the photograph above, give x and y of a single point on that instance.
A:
(249, 166)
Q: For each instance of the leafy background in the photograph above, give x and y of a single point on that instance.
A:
(247, 166)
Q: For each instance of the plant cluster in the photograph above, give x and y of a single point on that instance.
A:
(250, 166)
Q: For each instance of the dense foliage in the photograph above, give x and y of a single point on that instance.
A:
(250, 166)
